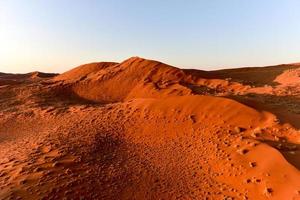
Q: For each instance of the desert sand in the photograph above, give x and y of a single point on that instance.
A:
(142, 129)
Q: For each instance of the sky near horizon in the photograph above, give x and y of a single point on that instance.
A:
(57, 35)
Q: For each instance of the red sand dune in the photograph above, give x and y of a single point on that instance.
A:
(142, 129)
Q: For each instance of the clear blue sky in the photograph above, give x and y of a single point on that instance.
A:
(56, 35)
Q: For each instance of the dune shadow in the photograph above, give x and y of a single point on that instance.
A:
(256, 76)
(290, 151)
(63, 96)
(286, 108)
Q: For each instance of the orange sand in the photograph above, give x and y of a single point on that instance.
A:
(142, 129)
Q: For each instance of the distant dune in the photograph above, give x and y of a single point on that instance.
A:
(142, 129)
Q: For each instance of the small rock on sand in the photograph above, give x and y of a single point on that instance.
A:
(268, 191)
(252, 164)
(242, 151)
(238, 129)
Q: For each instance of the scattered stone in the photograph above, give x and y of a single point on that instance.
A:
(252, 164)
(56, 164)
(254, 135)
(253, 144)
(68, 192)
(257, 180)
(257, 131)
(292, 152)
(279, 146)
(268, 191)
(292, 148)
(242, 151)
(22, 182)
(38, 169)
(193, 118)
(238, 129)
(3, 174)
(228, 198)
(248, 180)
(245, 198)
(241, 138)
(276, 120)
(68, 171)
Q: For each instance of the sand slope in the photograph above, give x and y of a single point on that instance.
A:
(142, 129)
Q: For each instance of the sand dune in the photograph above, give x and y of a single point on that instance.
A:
(142, 129)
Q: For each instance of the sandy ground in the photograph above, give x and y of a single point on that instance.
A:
(142, 129)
